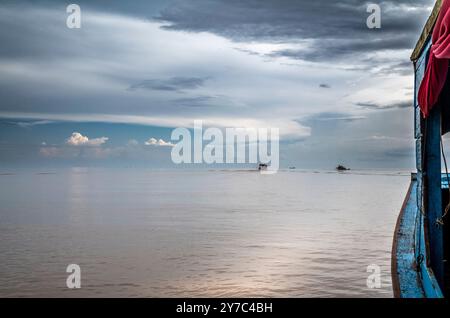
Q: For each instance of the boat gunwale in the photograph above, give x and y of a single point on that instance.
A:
(394, 268)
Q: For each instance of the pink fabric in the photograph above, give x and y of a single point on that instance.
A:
(437, 67)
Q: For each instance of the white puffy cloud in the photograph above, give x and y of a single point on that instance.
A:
(77, 139)
(159, 142)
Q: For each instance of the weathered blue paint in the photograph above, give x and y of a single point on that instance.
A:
(405, 278)
(419, 156)
(419, 71)
(412, 279)
(428, 280)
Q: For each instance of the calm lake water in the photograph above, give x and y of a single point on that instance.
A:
(149, 233)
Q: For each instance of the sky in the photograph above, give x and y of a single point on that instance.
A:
(112, 91)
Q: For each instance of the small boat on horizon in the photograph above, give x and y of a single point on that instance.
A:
(341, 168)
(262, 166)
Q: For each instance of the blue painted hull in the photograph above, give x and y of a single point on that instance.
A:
(411, 275)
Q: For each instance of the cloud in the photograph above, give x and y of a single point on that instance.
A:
(79, 84)
(376, 106)
(230, 63)
(199, 101)
(332, 116)
(77, 139)
(334, 29)
(319, 31)
(28, 124)
(177, 84)
(158, 142)
(339, 49)
(403, 68)
(288, 128)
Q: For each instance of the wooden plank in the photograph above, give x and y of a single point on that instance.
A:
(429, 283)
(417, 120)
(427, 31)
(405, 279)
(433, 192)
(420, 68)
(419, 72)
(419, 164)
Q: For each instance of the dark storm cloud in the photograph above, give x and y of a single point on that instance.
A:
(263, 20)
(338, 48)
(337, 28)
(376, 106)
(172, 84)
(404, 68)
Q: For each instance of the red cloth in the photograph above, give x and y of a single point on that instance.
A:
(437, 67)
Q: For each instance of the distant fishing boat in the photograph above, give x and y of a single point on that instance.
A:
(342, 168)
(420, 246)
(262, 166)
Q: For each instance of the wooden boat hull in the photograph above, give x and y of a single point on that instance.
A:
(411, 275)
